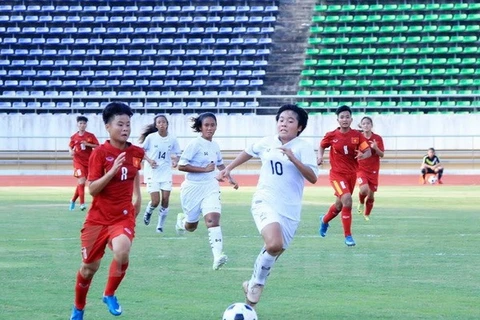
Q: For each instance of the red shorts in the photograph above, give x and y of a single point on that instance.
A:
(342, 184)
(94, 238)
(79, 170)
(368, 178)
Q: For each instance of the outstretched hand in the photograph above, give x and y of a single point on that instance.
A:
(225, 173)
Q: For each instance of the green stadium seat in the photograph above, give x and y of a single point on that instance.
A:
(426, 50)
(372, 29)
(320, 8)
(413, 29)
(424, 72)
(356, 40)
(358, 29)
(312, 51)
(347, 92)
(367, 51)
(366, 72)
(440, 50)
(317, 104)
(314, 41)
(422, 82)
(428, 39)
(467, 71)
(420, 92)
(451, 82)
(336, 72)
(334, 8)
(410, 61)
(465, 82)
(468, 61)
(360, 18)
(308, 73)
(395, 62)
(351, 72)
(438, 72)
(472, 28)
(392, 82)
(338, 62)
(455, 50)
(384, 40)
(444, 28)
(390, 7)
(407, 82)
(399, 39)
(431, 17)
(432, 6)
(330, 29)
(460, 16)
(460, 6)
(374, 18)
(473, 17)
(445, 17)
(404, 7)
(381, 72)
(418, 7)
(340, 51)
(375, 7)
(349, 83)
(320, 83)
(378, 83)
(370, 40)
(319, 92)
(452, 71)
(316, 29)
(474, 6)
(310, 62)
(306, 83)
(436, 82)
(334, 83)
(414, 39)
(433, 104)
(439, 61)
(304, 92)
(303, 104)
(324, 62)
(322, 72)
(453, 61)
(362, 7)
(408, 72)
(326, 51)
(459, 28)
(409, 50)
(348, 7)
(442, 39)
(332, 19)
(470, 39)
(352, 62)
(416, 18)
(388, 18)
(430, 28)
(381, 62)
(344, 29)
(354, 51)
(318, 19)
(364, 82)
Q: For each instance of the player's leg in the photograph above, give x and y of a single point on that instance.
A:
(153, 189)
(211, 209)
(121, 242)
(76, 173)
(348, 186)
(439, 171)
(334, 209)
(362, 194)
(81, 190)
(93, 242)
(163, 213)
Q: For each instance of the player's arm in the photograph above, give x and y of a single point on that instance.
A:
(226, 170)
(137, 194)
(96, 186)
(71, 147)
(324, 144)
(305, 170)
(151, 162)
(378, 147)
(194, 169)
(425, 164)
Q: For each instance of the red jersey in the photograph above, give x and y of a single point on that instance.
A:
(372, 163)
(342, 150)
(114, 202)
(82, 153)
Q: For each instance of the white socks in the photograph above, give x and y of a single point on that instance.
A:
(149, 209)
(262, 267)
(162, 216)
(216, 241)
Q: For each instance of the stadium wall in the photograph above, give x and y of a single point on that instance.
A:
(402, 132)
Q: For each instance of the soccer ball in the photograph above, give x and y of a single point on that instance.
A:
(239, 311)
(432, 179)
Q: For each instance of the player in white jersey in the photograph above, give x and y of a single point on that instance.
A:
(287, 161)
(200, 192)
(161, 154)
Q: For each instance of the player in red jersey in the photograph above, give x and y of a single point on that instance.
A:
(115, 188)
(347, 146)
(81, 146)
(368, 169)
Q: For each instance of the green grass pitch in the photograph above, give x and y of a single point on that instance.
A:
(417, 258)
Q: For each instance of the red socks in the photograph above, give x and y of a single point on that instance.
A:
(332, 213)
(81, 193)
(115, 276)
(347, 221)
(361, 198)
(368, 206)
(81, 289)
(75, 195)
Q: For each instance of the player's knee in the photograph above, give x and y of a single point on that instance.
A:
(190, 227)
(88, 270)
(274, 248)
(155, 203)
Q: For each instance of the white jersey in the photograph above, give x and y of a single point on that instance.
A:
(199, 153)
(281, 183)
(160, 149)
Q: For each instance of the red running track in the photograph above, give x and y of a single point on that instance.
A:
(243, 180)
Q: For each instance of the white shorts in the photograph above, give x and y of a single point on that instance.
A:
(264, 214)
(157, 186)
(199, 198)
